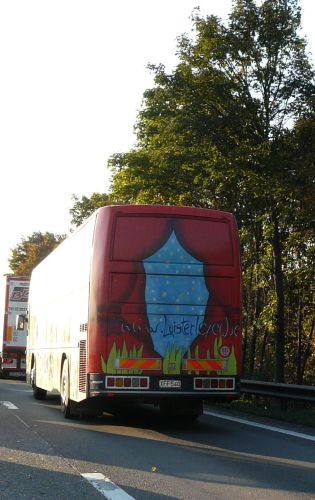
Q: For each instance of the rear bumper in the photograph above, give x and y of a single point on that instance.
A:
(184, 387)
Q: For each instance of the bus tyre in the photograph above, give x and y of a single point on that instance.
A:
(38, 393)
(66, 403)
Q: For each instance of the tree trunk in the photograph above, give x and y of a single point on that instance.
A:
(258, 307)
(299, 377)
(257, 300)
(308, 348)
(278, 278)
(244, 350)
(263, 350)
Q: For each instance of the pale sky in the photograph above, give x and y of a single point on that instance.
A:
(73, 73)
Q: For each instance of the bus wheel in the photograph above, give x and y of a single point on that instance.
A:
(38, 393)
(66, 403)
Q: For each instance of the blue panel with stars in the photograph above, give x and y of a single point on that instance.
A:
(176, 296)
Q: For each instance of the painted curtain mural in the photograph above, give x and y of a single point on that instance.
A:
(167, 308)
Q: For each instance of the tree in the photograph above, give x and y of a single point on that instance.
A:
(299, 251)
(31, 251)
(215, 133)
(83, 208)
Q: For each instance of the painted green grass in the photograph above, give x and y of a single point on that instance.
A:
(231, 365)
(114, 354)
(172, 361)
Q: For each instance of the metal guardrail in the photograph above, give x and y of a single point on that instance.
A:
(281, 391)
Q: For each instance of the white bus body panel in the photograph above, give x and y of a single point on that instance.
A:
(58, 307)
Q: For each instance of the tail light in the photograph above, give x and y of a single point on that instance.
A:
(217, 383)
(120, 382)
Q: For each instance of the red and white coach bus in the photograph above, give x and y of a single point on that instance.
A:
(140, 303)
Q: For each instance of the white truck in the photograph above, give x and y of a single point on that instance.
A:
(13, 325)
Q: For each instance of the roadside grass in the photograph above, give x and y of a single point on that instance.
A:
(294, 412)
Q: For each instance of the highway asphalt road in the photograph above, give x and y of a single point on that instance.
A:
(139, 454)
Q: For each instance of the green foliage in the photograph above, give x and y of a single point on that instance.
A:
(232, 127)
(295, 412)
(84, 207)
(207, 131)
(31, 251)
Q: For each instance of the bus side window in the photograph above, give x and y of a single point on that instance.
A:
(21, 321)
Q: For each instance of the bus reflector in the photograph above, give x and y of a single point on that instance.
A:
(127, 382)
(120, 382)
(208, 383)
(198, 383)
(143, 383)
(135, 382)
(230, 383)
(110, 382)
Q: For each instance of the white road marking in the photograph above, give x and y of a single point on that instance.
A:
(21, 420)
(261, 426)
(9, 405)
(105, 486)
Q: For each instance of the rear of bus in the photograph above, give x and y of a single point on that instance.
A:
(164, 311)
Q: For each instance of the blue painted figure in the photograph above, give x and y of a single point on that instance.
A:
(176, 296)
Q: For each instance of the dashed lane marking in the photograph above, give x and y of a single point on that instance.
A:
(106, 487)
(261, 426)
(9, 405)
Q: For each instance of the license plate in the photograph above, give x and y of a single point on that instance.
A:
(165, 384)
(17, 374)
